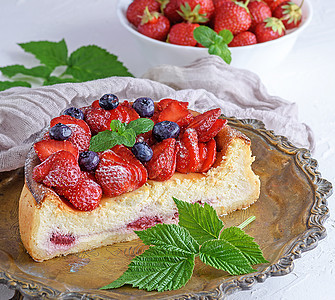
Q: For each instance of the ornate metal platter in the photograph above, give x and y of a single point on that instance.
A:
(290, 215)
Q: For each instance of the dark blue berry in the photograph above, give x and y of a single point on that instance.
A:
(165, 130)
(109, 101)
(88, 160)
(144, 106)
(60, 132)
(142, 151)
(74, 112)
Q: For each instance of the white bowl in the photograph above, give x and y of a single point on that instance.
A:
(253, 57)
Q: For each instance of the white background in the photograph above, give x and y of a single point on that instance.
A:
(305, 77)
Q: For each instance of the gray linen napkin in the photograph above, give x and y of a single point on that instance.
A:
(206, 83)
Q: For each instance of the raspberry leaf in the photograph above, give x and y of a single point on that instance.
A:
(39, 71)
(4, 85)
(55, 80)
(202, 222)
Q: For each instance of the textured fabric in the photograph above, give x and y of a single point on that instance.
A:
(205, 84)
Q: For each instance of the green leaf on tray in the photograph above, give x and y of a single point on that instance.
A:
(4, 85)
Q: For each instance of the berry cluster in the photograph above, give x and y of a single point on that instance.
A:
(178, 142)
(250, 21)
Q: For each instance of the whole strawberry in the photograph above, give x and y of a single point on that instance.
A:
(259, 11)
(274, 3)
(244, 38)
(218, 3)
(290, 14)
(154, 25)
(233, 17)
(182, 34)
(196, 11)
(170, 10)
(136, 9)
(270, 29)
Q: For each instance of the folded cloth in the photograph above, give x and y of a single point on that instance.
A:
(206, 83)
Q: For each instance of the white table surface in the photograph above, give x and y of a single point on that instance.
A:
(305, 77)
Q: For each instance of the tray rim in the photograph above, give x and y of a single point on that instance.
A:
(305, 241)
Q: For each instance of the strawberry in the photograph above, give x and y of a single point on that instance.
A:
(232, 16)
(270, 29)
(218, 3)
(188, 157)
(47, 147)
(163, 162)
(154, 25)
(170, 10)
(66, 119)
(212, 131)
(259, 11)
(165, 102)
(79, 137)
(132, 114)
(136, 9)
(244, 38)
(60, 169)
(177, 113)
(182, 34)
(196, 11)
(289, 13)
(273, 3)
(207, 154)
(98, 119)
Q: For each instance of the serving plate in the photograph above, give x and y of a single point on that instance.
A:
(290, 214)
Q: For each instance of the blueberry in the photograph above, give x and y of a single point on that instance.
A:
(142, 151)
(164, 130)
(109, 101)
(60, 132)
(74, 112)
(144, 106)
(88, 160)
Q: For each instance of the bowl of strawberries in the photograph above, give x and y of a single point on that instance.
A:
(256, 33)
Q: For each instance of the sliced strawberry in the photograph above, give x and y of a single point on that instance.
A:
(66, 119)
(133, 115)
(146, 137)
(79, 137)
(213, 131)
(60, 169)
(96, 104)
(98, 119)
(45, 148)
(177, 113)
(208, 156)
(163, 162)
(202, 123)
(188, 157)
(165, 102)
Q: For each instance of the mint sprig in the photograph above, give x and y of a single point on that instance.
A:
(169, 262)
(217, 44)
(120, 134)
(86, 63)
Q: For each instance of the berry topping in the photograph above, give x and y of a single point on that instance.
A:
(144, 223)
(66, 119)
(213, 130)
(176, 112)
(79, 137)
(74, 112)
(165, 130)
(62, 239)
(109, 101)
(88, 160)
(144, 106)
(60, 132)
(165, 102)
(207, 155)
(142, 151)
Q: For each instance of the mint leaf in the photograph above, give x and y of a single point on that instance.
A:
(222, 255)
(127, 138)
(202, 222)
(4, 85)
(141, 125)
(39, 71)
(51, 54)
(104, 140)
(226, 35)
(171, 237)
(55, 80)
(204, 35)
(157, 269)
(221, 49)
(117, 126)
(245, 243)
(92, 62)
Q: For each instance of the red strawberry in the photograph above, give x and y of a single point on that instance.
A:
(270, 29)
(217, 3)
(163, 162)
(176, 112)
(244, 38)
(213, 130)
(165, 102)
(79, 137)
(232, 16)
(259, 11)
(182, 34)
(207, 155)
(154, 25)
(273, 3)
(98, 119)
(170, 10)
(45, 148)
(60, 169)
(289, 13)
(136, 9)
(132, 114)
(188, 158)
(196, 11)
(66, 119)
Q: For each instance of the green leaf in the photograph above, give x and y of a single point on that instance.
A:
(226, 35)
(222, 255)
(171, 237)
(40, 71)
(245, 243)
(117, 126)
(204, 35)
(55, 80)
(202, 222)
(221, 50)
(128, 137)
(51, 54)
(92, 62)
(4, 85)
(141, 125)
(104, 140)
(157, 269)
